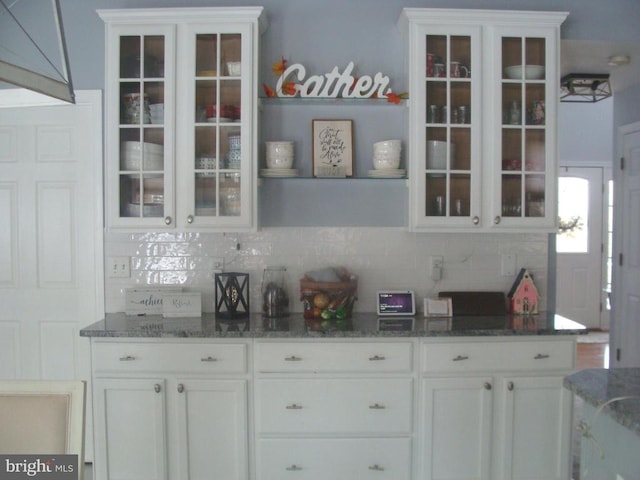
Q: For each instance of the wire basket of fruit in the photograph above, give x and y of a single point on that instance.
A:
(328, 295)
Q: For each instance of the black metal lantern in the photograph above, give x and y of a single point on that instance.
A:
(232, 295)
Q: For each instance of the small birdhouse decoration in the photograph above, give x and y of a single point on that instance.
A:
(523, 296)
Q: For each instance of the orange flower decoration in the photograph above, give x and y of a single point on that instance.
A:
(268, 90)
(395, 97)
(279, 67)
(289, 88)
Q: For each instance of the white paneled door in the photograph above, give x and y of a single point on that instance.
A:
(625, 346)
(51, 266)
(580, 246)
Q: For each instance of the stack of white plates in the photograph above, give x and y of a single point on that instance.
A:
(388, 173)
(153, 156)
(278, 172)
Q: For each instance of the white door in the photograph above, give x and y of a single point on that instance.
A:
(579, 245)
(625, 344)
(51, 236)
(51, 266)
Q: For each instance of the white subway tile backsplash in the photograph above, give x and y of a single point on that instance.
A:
(383, 258)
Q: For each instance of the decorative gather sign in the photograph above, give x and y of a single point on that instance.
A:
(293, 81)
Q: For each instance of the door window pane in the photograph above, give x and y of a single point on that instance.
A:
(573, 212)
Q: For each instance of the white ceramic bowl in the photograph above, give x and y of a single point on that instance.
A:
(531, 72)
(279, 154)
(387, 146)
(234, 68)
(276, 161)
(437, 154)
(153, 156)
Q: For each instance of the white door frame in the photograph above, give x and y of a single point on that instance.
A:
(619, 325)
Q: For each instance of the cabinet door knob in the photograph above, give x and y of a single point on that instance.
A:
(476, 220)
(190, 219)
(377, 406)
(168, 220)
(294, 406)
(510, 386)
(157, 388)
(376, 358)
(294, 468)
(541, 356)
(460, 358)
(180, 388)
(208, 359)
(376, 467)
(487, 386)
(292, 358)
(497, 219)
(127, 358)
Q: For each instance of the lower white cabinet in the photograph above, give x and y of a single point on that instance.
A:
(481, 408)
(338, 410)
(508, 422)
(187, 424)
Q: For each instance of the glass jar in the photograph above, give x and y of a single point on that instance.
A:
(275, 293)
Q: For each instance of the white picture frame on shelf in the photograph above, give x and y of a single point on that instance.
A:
(438, 307)
(332, 148)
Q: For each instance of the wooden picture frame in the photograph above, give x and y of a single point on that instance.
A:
(332, 148)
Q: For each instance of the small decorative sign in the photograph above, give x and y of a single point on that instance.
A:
(182, 304)
(146, 301)
(438, 307)
(332, 148)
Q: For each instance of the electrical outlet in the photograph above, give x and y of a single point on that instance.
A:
(508, 264)
(437, 263)
(119, 267)
(218, 264)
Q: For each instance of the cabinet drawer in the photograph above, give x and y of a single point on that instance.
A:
(498, 356)
(335, 459)
(170, 357)
(334, 406)
(374, 357)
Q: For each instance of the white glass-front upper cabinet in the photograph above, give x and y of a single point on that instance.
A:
(181, 117)
(483, 101)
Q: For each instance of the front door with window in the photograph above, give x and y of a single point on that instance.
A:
(580, 246)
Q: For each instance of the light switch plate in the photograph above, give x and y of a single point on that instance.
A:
(508, 264)
(119, 267)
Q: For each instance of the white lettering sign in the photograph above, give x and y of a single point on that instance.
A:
(331, 85)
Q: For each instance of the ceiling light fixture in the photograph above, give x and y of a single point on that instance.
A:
(585, 87)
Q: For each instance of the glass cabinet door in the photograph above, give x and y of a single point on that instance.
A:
(524, 152)
(448, 124)
(217, 125)
(449, 170)
(141, 126)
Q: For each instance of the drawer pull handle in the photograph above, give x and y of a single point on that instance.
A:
(377, 358)
(459, 358)
(180, 388)
(376, 467)
(377, 406)
(487, 386)
(510, 386)
(127, 358)
(541, 356)
(292, 358)
(294, 468)
(294, 406)
(157, 388)
(209, 359)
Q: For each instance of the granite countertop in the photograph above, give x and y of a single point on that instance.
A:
(616, 392)
(361, 325)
